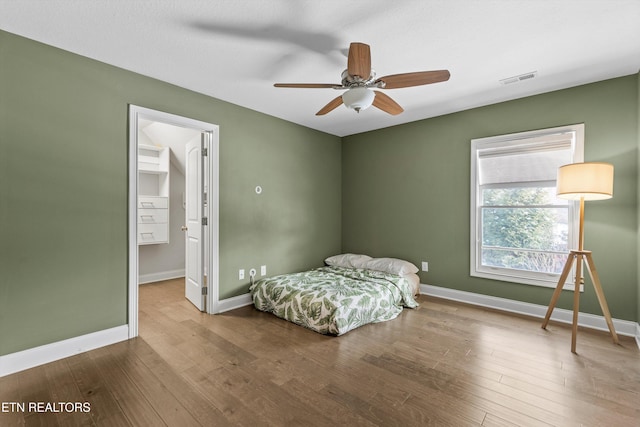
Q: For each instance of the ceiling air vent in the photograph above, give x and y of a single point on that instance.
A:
(520, 78)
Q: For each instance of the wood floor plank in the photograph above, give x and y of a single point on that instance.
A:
(161, 398)
(228, 351)
(267, 398)
(235, 410)
(162, 345)
(589, 406)
(427, 390)
(34, 389)
(134, 406)
(493, 421)
(104, 407)
(11, 413)
(65, 389)
(419, 412)
(444, 363)
(195, 402)
(357, 405)
(337, 413)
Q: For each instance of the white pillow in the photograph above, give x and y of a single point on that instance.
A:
(347, 260)
(414, 279)
(391, 265)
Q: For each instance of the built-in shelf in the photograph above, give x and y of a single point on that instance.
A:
(153, 194)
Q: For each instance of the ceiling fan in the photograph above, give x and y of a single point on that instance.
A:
(359, 80)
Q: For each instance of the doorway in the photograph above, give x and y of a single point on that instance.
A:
(201, 195)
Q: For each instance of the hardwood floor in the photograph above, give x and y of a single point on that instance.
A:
(445, 364)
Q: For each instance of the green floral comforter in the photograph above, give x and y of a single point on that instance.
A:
(333, 300)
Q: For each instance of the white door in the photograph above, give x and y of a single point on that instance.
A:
(195, 286)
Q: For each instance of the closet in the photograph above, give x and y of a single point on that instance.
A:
(153, 194)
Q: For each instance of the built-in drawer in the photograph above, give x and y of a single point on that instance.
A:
(151, 202)
(152, 233)
(152, 216)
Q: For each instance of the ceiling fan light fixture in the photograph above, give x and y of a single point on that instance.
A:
(358, 98)
(359, 80)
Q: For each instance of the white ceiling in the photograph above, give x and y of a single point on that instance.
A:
(235, 50)
(166, 135)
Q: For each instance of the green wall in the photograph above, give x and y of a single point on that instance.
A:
(406, 190)
(63, 191)
(401, 191)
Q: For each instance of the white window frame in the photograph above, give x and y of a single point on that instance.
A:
(514, 140)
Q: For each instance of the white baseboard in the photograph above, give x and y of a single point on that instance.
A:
(234, 302)
(623, 327)
(30, 358)
(16, 362)
(160, 276)
(37, 356)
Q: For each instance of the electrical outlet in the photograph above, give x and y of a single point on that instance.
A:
(241, 274)
(252, 272)
(263, 270)
(425, 266)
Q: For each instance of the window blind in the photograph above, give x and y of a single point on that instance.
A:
(525, 160)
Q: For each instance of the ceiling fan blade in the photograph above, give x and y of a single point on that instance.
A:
(335, 103)
(386, 104)
(419, 78)
(359, 60)
(309, 85)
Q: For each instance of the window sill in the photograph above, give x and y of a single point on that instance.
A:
(509, 276)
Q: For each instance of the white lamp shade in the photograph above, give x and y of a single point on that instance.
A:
(589, 180)
(358, 98)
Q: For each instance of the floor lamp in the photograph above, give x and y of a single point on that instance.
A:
(583, 181)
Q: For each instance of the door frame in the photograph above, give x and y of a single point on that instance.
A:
(212, 240)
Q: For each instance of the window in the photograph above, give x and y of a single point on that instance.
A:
(520, 231)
